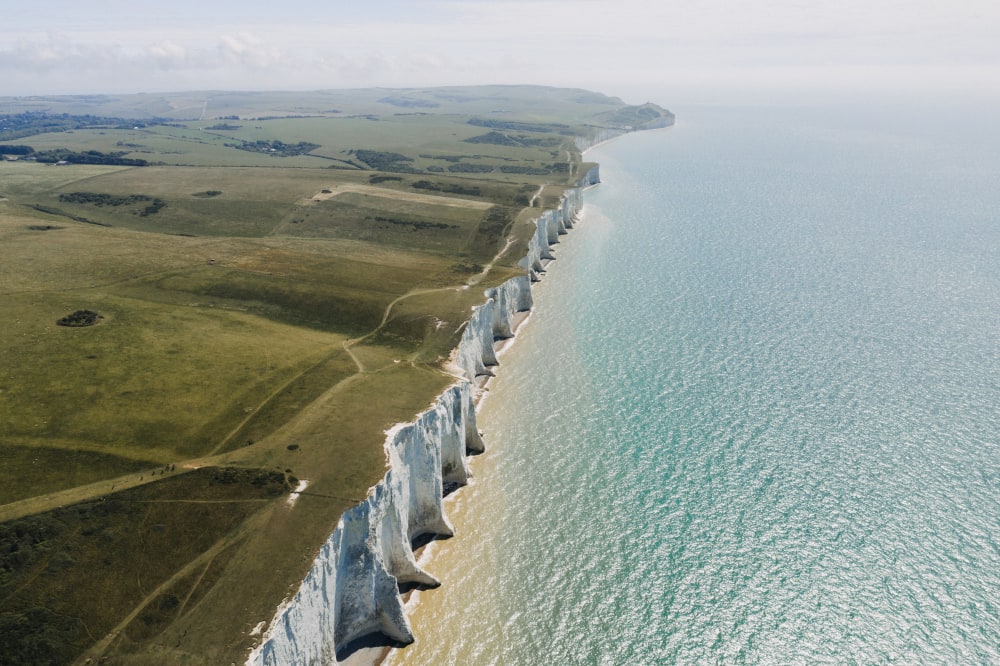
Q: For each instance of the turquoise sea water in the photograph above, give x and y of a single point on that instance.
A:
(755, 418)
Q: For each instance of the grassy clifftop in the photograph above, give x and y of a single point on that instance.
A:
(277, 278)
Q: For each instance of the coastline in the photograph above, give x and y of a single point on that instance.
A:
(432, 552)
(459, 504)
(351, 591)
(426, 553)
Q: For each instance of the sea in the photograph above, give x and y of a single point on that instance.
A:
(754, 417)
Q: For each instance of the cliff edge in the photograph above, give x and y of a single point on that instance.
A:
(352, 589)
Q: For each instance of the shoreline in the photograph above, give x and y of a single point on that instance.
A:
(429, 551)
(464, 502)
(425, 553)
(352, 590)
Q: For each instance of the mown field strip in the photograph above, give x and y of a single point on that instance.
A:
(396, 195)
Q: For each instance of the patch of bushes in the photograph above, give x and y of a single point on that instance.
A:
(464, 190)
(80, 318)
(39, 636)
(463, 167)
(275, 147)
(459, 158)
(501, 139)
(409, 102)
(153, 208)
(539, 141)
(530, 171)
(101, 199)
(30, 123)
(384, 161)
(544, 128)
(88, 157)
(271, 481)
(416, 224)
(494, 138)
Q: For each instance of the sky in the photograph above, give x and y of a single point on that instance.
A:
(698, 51)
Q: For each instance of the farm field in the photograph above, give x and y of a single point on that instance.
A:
(208, 297)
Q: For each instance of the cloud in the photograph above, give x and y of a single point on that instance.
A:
(169, 55)
(72, 54)
(57, 53)
(247, 50)
(582, 43)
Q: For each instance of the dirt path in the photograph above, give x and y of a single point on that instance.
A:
(479, 277)
(354, 357)
(531, 204)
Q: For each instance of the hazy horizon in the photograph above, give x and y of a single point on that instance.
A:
(636, 50)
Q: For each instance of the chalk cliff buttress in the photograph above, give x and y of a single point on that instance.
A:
(352, 589)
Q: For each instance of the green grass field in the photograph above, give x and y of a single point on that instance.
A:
(278, 286)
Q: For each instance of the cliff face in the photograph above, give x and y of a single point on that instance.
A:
(553, 223)
(352, 588)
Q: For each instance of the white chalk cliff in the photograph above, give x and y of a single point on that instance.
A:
(352, 590)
